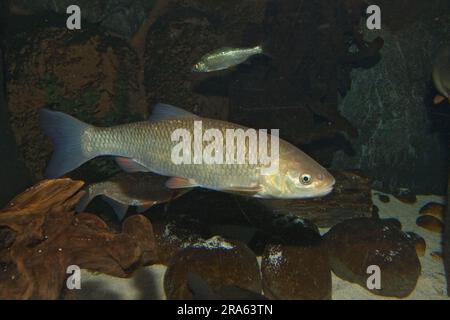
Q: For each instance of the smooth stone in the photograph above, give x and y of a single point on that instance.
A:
(221, 263)
(295, 263)
(292, 272)
(418, 242)
(174, 235)
(430, 223)
(356, 244)
(434, 209)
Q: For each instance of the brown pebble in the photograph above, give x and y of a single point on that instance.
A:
(384, 198)
(418, 242)
(437, 256)
(430, 223)
(406, 197)
(434, 209)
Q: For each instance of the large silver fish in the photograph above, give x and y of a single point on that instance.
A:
(141, 190)
(147, 146)
(441, 75)
(225, 58)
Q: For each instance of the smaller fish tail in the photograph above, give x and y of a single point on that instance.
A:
(65, 133)
(90, 193)
(84, 202)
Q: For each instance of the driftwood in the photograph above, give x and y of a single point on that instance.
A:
(40, 236)
(351, 198)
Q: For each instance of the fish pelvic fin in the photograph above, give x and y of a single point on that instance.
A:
(66, 133)
(438, 99)
(244, 191)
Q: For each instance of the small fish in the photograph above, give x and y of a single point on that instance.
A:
(441, 75)
(147, 146)
(142, 190)
(225, 58)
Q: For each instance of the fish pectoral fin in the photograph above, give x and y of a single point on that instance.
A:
(438, 99)
(130, 165)
(119, 209)
(163, 111)
(180, 183)
(244, 191)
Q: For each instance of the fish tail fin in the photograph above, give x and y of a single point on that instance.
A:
(65, 133)
(90, 193)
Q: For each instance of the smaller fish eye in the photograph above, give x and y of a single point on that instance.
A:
(305, 179)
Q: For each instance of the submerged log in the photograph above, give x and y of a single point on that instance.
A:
(40, 237)
(351, 198)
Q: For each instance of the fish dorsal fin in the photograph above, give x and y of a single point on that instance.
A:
(163, 111)
(130, 165)
(180, 183)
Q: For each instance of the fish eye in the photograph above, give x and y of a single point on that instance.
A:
(305, 179)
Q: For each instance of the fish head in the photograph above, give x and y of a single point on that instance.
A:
(200, 67)
(298, 177)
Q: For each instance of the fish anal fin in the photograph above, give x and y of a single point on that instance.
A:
(130, 165)
(438, 99)
(244, 191)
(180, 183)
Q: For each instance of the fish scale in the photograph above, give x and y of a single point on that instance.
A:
(150, 144)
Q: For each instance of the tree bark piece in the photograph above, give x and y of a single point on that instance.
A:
(40, 236)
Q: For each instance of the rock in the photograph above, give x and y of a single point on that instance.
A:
(295, 263)
(395, 146)
(174, 235)
(179, 38)
(88, 74)
(384, 198)
(392, 222)
(356, 244)
(201, 291)
(48, 237)
(418, 242)
(434, 209)
(406, 196)
(14, 173)
(122, 17)
(430, 223)
(351, 198)
(291, 272)
(219, 262)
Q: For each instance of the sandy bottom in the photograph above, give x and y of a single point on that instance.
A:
(147, 283)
